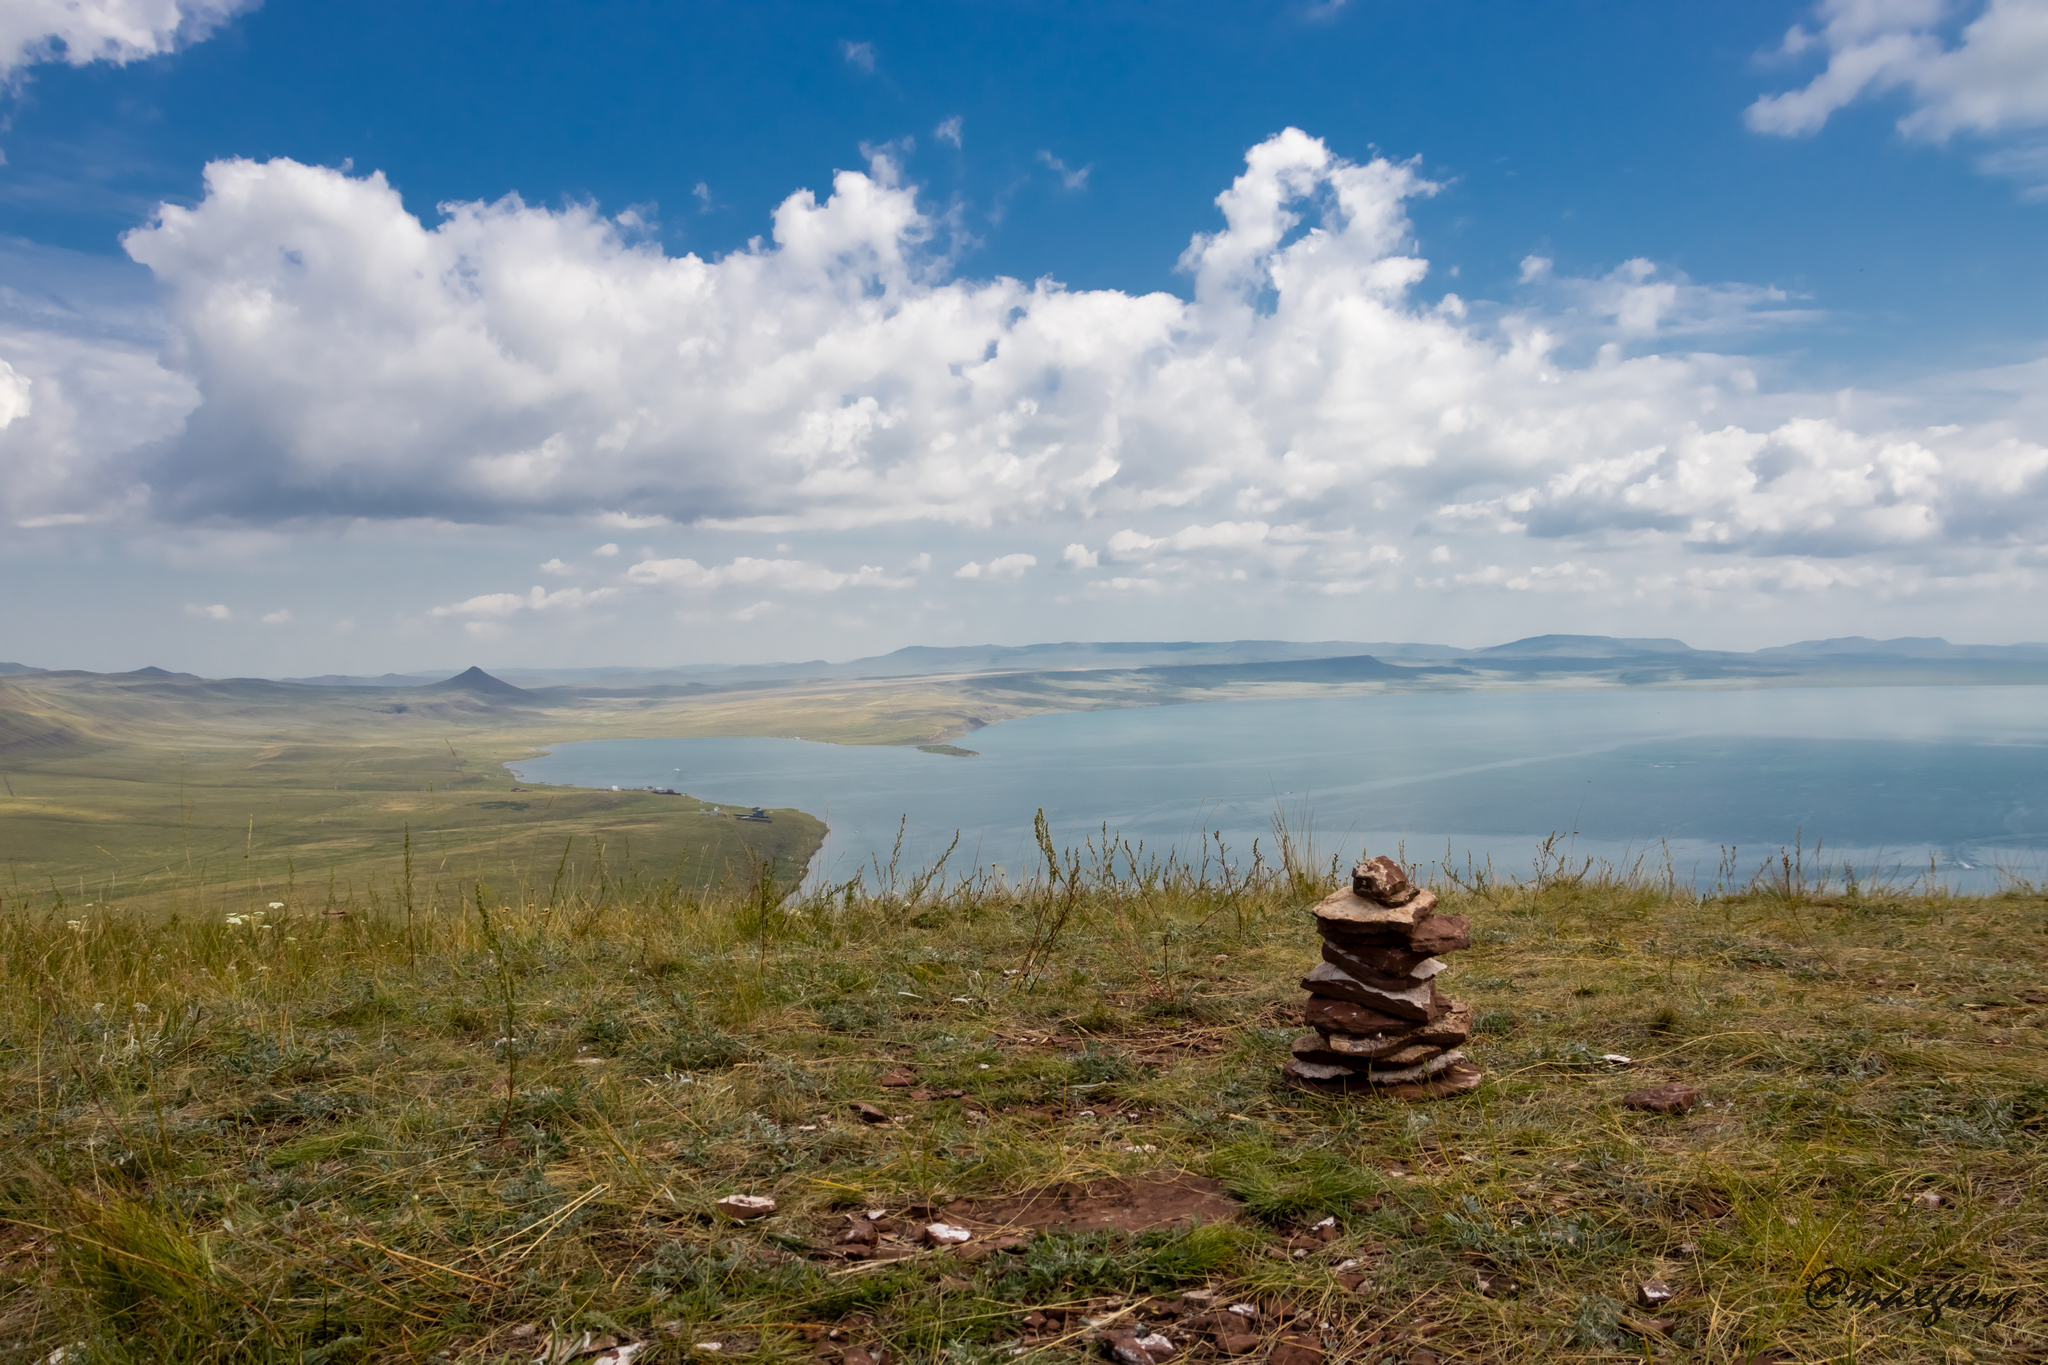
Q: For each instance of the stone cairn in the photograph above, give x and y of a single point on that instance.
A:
(1381, 1026)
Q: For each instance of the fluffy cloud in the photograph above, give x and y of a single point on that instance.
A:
(496, 606)
(1992, 81)
(1309, 406)
(117, 31)
(786, 575)
(1806, 487)
(80, 408)
(1004, 567)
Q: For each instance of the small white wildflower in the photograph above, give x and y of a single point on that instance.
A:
(277, 905)
(76, 926)
(235, 919)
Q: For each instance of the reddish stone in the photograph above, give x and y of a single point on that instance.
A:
(1348, 907)
(1332, 1015)
(1453, 1080)
(1372, 959)
(1381, 879)
(1419, 1004)
(1454, 1029)
(1442, 934)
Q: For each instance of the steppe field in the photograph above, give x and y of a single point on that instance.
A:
(350, 1053)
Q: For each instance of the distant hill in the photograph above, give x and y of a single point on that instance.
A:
(479, 683)
(1905, 647)
(1583, 647)
(6, 668)
(1351, 668)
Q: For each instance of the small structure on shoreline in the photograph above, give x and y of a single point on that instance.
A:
(1381, 1025)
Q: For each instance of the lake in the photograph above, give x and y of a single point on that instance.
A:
(1887, 777)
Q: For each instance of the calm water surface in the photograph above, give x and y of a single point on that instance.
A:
(1887, 777)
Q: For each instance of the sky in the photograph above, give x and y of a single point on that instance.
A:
(376, 336)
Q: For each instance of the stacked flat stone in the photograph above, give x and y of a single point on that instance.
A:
(1381, 1025)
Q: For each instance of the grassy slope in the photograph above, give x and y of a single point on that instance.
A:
(299, 1142)
(119, 788)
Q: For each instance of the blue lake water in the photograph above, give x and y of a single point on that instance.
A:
(1886, 777)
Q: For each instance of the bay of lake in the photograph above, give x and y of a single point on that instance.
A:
(1884, 777)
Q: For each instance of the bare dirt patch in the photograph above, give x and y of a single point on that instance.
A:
(1137, 1204)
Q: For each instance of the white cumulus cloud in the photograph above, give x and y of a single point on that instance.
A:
(787, 575)
(1005, 567)
(1991, 80)
(496, 606)
(332, 359)
(78, 32)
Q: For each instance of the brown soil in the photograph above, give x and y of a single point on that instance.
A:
(1134, 1205)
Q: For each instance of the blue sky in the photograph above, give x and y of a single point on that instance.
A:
(1723, 321)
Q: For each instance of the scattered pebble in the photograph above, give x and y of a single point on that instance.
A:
(744, 1208)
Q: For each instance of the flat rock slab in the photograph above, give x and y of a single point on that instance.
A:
(1333, 1015)
(1442, 934)
(1348, 907)
(1417, 1004)
(1454, 1080)
(1672, 1098)
(1139, 1204)
(1373, 959)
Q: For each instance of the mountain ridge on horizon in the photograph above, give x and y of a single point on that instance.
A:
(918, 660)
(915, 660)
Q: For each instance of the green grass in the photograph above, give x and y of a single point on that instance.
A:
(149, 792)
(341, 1137)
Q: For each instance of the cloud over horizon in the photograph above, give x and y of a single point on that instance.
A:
(1307, 412)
